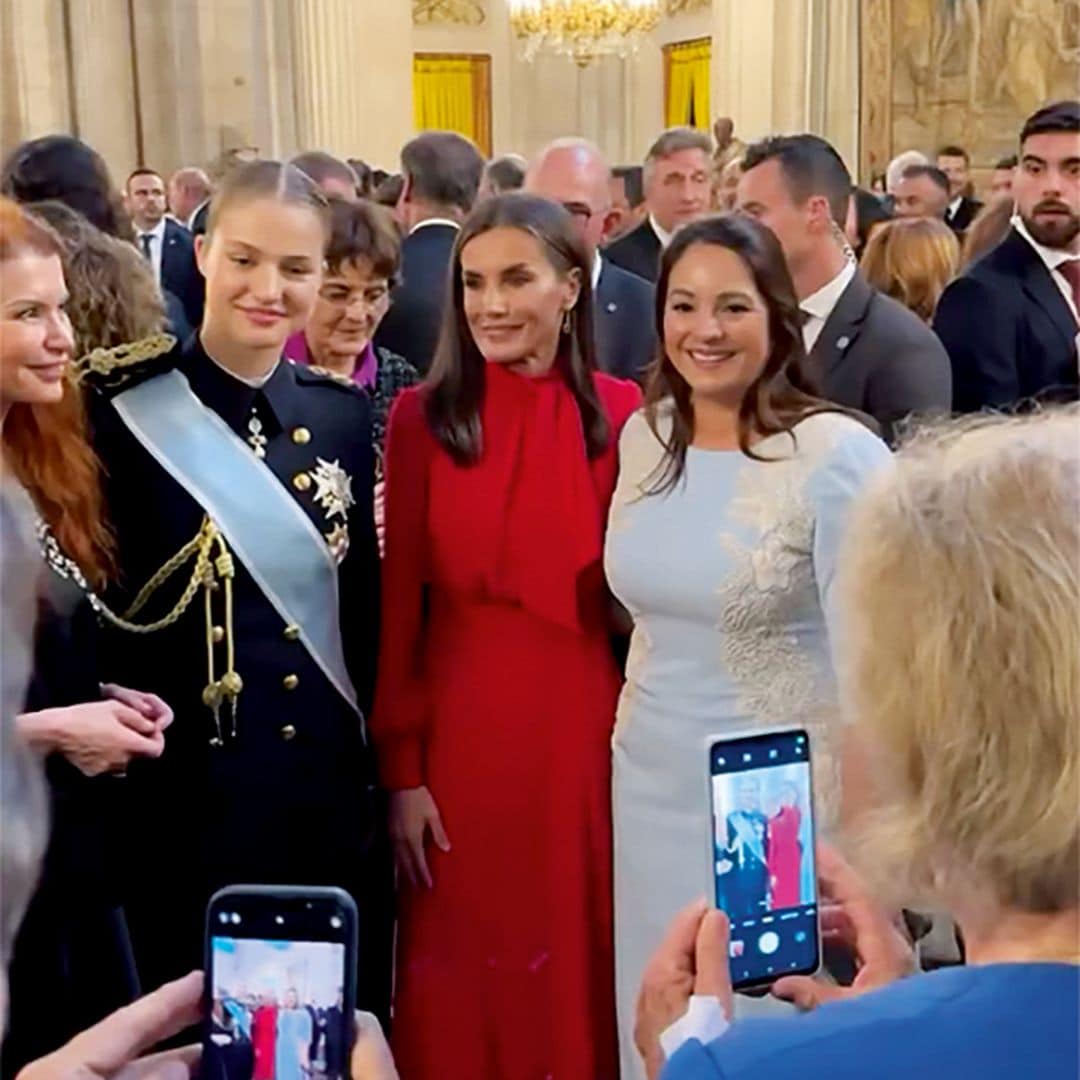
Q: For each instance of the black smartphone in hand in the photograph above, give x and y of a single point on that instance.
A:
(280, 983)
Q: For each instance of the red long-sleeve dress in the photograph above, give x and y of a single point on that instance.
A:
(785, 857)
(497, 690)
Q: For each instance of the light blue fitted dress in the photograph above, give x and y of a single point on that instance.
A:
(294, 1033)
(729, 581)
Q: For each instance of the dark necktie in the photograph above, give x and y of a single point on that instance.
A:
(1070, 271)
(146, 240)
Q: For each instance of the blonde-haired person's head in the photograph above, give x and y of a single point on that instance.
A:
(912, 260)
(961, 584)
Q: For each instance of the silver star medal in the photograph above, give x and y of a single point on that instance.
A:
(333, 492)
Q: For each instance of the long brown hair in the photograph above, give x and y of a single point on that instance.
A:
(455, 387)
(781, 396)
(47, 447)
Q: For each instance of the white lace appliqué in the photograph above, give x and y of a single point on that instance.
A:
(769, 591)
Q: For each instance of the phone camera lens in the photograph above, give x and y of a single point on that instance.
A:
(235, 919)
(335, 922)
(279, 919)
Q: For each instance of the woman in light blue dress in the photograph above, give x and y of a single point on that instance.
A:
(293, 1040)
(722, 544)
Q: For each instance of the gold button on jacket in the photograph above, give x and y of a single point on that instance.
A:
(288, 732)
(301, 435)
(290, 682)
(291, 632)
(301, 481)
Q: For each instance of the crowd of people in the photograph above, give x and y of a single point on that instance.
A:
(260, 1036)
(411, 533)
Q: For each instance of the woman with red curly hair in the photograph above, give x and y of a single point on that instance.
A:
(69, 967)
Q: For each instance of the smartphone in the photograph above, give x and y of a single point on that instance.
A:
(280, 983)
(761, 853)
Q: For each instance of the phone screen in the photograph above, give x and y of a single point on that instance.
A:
(280, 985)
(763, 854)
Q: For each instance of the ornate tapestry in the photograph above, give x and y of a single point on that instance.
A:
(961, 71)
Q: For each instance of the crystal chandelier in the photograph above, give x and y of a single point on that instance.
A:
(583, 29)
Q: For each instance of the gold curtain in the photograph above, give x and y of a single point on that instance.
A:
(453, 93)
(686, 69)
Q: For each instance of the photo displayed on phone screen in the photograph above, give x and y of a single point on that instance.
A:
(276, 1010)
(763, 848)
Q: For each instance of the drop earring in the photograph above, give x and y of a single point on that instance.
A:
(567, 322)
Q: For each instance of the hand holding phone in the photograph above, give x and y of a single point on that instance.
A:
(883, 953)
(761, 853)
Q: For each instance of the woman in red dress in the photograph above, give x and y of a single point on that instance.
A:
(785, 851)
(497, 685)
(264, 1038)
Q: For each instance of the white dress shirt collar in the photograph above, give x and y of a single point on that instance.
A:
(435, 221)
(1052, 258)
(955, 205)
(818, 306)
(157, 246)
(661, 233)
(597, 269)
(256, 382)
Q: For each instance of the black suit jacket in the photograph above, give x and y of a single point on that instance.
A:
(625, 322)
(180, 275)
(411, 326)
(876, 356)
(638, 251)
(1009, 331)
(966, 213)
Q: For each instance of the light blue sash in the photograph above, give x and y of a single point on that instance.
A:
(264, 526)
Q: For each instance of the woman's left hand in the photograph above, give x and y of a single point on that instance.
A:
(150, 705)
(693, 959)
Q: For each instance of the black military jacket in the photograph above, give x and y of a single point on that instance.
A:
(287, 797)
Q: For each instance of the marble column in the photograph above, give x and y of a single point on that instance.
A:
(353, 72)
(103, 90)
(34, 81)
(837, 75)
(744, 52)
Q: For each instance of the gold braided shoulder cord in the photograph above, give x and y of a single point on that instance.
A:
(105, 361)
(205, 573)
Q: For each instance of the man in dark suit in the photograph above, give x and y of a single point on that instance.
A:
(962, 210)
(166, 244)
(573, 172)
(865, 350)
(1011, 322)
(677, 178)
(442, 173)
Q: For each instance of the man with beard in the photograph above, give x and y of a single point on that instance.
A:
(1011, 324)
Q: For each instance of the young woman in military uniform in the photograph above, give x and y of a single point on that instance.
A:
(240, 489)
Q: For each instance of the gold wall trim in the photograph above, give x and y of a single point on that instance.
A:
(448, 12)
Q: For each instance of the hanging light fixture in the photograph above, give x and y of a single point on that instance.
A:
(583, 29)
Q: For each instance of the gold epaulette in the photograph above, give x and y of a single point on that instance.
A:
(105, 361)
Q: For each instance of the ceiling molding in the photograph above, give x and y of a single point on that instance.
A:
(448, 12)
(686, 7)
